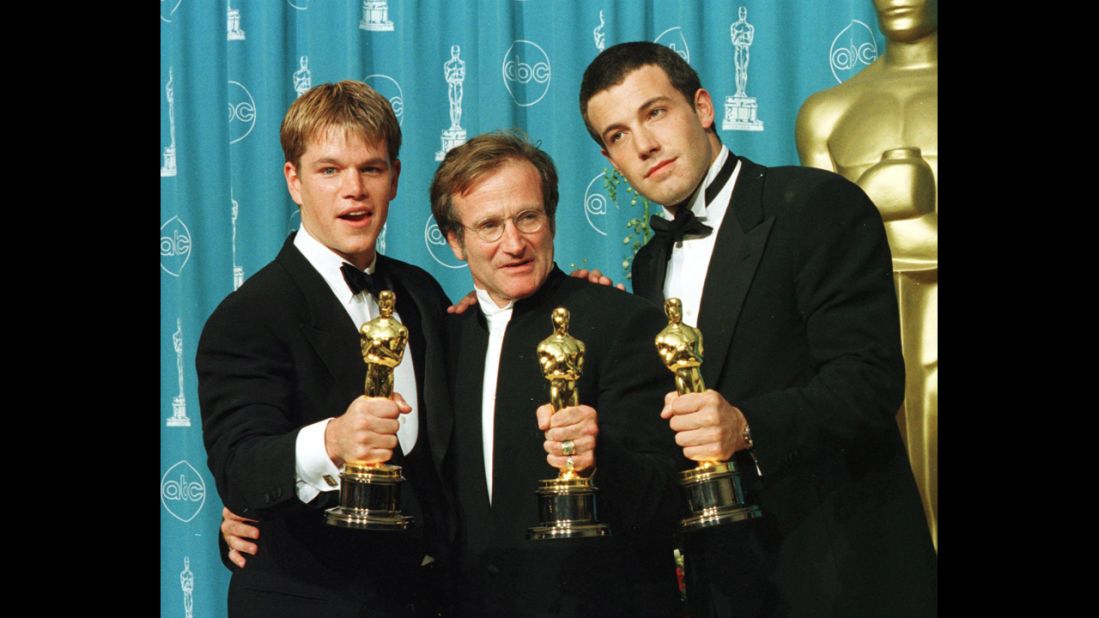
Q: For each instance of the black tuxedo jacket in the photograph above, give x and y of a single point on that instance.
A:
(631, 572)
(801, 332)
(281, 353)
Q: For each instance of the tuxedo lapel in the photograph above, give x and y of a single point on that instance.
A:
(737, 252)
(649, 266)
(468, 335)
(330, 330)
(433, 387)
(517, 441)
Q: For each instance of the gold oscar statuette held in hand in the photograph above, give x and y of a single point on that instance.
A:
(370, 492)
(713, 491)
(566, 504)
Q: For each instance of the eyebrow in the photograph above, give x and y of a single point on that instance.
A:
(641, 108)
(331, 160)
(497, 218)
(657, 99)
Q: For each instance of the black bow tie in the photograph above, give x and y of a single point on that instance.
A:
(668, 233)
(358, 281)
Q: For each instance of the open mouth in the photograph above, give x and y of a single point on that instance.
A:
(356, 216)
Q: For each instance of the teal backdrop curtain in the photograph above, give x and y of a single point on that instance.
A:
(229, 70)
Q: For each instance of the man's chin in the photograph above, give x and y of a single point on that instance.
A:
(521, 290)
(358, 252)
(660, 195)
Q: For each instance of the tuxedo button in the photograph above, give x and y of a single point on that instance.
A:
(493, 569)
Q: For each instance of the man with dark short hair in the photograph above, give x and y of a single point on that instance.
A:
(281, 378)
(786, 271)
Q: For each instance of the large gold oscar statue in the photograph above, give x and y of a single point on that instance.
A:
(880, 130)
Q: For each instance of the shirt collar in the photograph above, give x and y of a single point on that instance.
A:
(327, 262)
(489, 306)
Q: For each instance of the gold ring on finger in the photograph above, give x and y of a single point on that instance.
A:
(568, 448)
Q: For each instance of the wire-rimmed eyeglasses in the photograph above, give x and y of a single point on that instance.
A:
(527, 222)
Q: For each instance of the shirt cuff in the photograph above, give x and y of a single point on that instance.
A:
(314, 471)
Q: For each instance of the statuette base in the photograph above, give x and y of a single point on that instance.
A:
(566, 510)
(714, 496)
(370, 495)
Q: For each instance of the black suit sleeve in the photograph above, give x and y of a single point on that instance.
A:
(246, 378)
(842, 280)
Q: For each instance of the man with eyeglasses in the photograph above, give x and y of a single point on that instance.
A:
(494, 198)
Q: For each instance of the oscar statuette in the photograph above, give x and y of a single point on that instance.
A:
(566, 504)
(713, 490)
(370, 492)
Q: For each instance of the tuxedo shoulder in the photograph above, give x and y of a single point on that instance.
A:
(457, 324)
(800, 185)
(810, 199)
(415, 276)
(800, 174)
(269, 295)
(609, 300)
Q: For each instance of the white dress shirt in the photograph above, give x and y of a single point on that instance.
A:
(690, 259)
(315, 472)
